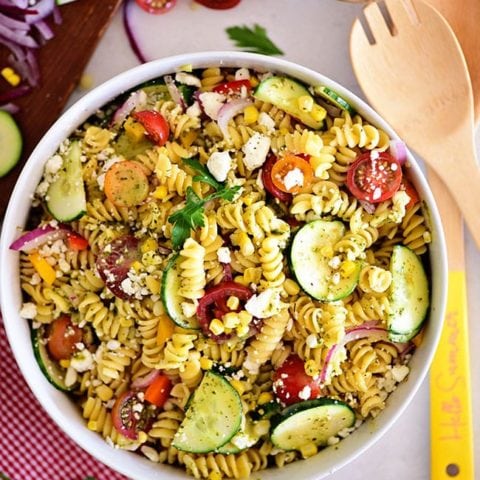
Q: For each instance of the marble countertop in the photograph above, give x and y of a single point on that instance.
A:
(314, 33)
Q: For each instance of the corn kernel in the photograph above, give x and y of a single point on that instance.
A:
(347, 268)
(305, 103)
(254, 81)
(104, 393)
(86, 81)
(92, 425)
(250, 114)
(65, 363)
(137, 266)
(318, 113)
(238, 386)
(308, 450)
(233, 303)
(265, 397)
(216, 326)
(327, 251)
(134, 130)
(165, 330)
(206, 363)
(153, 285)
(160, 192)
(242, 330)
(311, 368)
(245, 317)
(11, 76)
(149, 245)
(231, 320)
(213, 475)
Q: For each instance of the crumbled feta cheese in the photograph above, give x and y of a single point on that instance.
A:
(265, 304)
(334, 262)
(189, 309)
(28, 311)
(53, 165)
(399, 372)
(242, 74)
(267, 121)
(256, 150)
(113, 344)
(311, 341)
(219, 164)
(294, 178)
(212, 102)
(188, 79)
(194, 110)
(305, 393)
(82, 361)
(70, 377)
(223, 254)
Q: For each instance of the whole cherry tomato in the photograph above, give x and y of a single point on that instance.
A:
(156, 6)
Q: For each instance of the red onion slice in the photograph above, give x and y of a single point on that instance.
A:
(44, 9)
(144, 382)
(44, 29)
(174, 91)
(398, 149)
(128, 6)
(134, 100)
(30, 241)
(228, 111)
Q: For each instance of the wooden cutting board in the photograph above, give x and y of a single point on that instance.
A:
(62, 61)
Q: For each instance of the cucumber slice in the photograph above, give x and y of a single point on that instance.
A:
(409, 295)
(335, 98)
(213, 418)
(312, 267)
(66, 199)
(312, 421)
(51, 369)
(11, 143)
(284, 93)
(172, 301)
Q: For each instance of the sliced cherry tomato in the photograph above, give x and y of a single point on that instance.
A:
(291, 384)
(158, 391)
(155, 124)
(214, 304)
(233, 87)
(219, 4)
(62, 338)
(115, 261)
(156, 6)
(268, 183)
(411, 192)
(130, 415)
(374, 176)
(291, 174)
(76, 241)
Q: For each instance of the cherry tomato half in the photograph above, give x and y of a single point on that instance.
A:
(115, 261)
(291, 384)
(156, 6)
(374, 177)
(219, 4)
(76, 241)
(411, 192)
(294, 170)
(233, 87)
(155, 124)
(130, 415)
(214, 304)
(62, 338)
(268, 183)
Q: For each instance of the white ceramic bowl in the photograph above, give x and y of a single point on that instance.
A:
(65, 413)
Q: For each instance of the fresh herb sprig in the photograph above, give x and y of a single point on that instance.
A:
(253, 40)
(191, 215)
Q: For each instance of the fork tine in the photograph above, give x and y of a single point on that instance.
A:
(402, 12)
(376, 21)
(358, 36)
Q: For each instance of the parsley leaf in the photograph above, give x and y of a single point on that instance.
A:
(203, 174)
(191, 215)
(253, 40)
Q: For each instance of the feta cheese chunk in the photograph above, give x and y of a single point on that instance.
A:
(82, 361)
(294, 178)
(194, 110)
(188, 79)
(265, 304)
(219, 164)
(267, 121)
(223, 254)
(28, 311)
(256, 151)
(212, 102)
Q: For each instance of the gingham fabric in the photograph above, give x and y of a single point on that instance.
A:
(32, 447)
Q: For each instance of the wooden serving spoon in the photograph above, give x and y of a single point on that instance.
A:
(451, 410)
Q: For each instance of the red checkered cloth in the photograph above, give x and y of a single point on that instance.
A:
(32, 447)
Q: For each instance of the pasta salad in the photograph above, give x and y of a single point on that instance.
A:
(224, 269)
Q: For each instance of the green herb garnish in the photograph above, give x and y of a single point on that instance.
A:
(191, 215)
(253, 40)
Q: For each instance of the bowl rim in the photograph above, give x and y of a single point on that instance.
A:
(17, 329)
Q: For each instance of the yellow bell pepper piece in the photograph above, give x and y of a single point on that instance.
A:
(43, 268)
(134, 130)
(165, 330)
